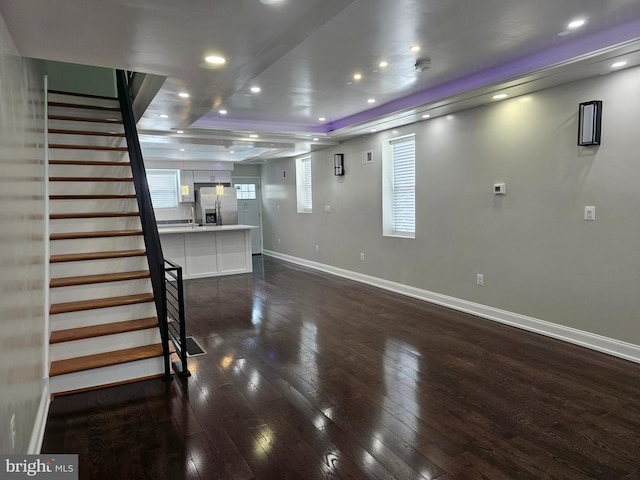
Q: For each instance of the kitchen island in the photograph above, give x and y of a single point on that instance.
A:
(208, 251)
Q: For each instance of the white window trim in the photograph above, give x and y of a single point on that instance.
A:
(387, 189)
(304, 185)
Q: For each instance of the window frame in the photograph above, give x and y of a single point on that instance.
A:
(304, 185)
(171, 192)
(389, 193)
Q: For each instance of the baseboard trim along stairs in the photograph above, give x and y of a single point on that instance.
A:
(104, 328)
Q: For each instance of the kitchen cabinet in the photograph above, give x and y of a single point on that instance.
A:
(185, 192)
(203, 176)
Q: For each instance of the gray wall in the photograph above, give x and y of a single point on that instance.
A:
(538, 256)
(22, 226)
(70, 77)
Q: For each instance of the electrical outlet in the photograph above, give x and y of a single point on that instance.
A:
(480, 279)
(278, 207)
(279, 241)
(327, 208)
(362, 256)
(317, 248)
(13, 431)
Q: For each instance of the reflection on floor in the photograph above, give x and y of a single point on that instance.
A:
(311, 376)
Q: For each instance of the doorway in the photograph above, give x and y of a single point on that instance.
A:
(250, 208)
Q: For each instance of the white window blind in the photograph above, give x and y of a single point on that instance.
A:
(404, 186)
(303, 185)
(163, 186)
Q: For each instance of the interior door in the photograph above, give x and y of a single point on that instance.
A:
(249, 208)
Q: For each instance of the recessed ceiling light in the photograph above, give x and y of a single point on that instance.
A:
(321, 119)
(315, 139)
(576, 24)
(383, 64)
(253, 135)
(231, 151)
(183, 95)
(426, 115)
(500, 96)
(618, 64)
(374, 129)
(182, 149)
(215, 60)
(222, 112)
(415, 48)
(357, 76)
(255, 89)
(180, 131)
(371, 100)
(163, 115)
(449, 117)
(269, 2)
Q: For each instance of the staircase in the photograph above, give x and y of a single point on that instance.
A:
(104, 328)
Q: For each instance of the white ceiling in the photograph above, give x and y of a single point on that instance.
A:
(303, 55)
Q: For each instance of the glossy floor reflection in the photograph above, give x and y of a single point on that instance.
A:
(311, 376)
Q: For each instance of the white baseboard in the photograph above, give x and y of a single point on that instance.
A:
(617, 348)
(37, 434)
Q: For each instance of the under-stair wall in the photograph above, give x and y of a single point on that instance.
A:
(103, 317)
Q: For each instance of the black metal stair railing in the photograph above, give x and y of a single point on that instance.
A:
(175, 313)
(147, 216)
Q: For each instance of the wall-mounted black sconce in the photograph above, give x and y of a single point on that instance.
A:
(590, 123)
(338, 164)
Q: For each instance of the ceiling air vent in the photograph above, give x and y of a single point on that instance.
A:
(422, 64)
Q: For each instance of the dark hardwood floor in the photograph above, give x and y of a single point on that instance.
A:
(311, 376)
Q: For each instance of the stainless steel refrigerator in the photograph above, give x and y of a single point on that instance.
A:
(216, 206)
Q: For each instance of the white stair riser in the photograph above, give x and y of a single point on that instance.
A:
(94, 224)
(91, 188)
(98, 267)
(97, 155)
(93, 205)
(92, 171)
(83, 112)
(107, 375)
(91, 126)
(103, 244)
(101, 140)
(99, 290)
(99, 316)
(108, 343)
(100, 102)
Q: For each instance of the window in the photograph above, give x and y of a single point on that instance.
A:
(245, 191)
(303, 184)
(163, 186)
(399, 187)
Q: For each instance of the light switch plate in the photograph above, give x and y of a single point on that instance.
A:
(590, 213)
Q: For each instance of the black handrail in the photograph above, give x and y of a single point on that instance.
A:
(147, 216)
(175, 312)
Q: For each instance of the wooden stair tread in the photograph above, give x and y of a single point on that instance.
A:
(106, 233)
(79, 364)
(83, 95)
(77, 257)
(100, 303)
(83, 106)
(89, 162)
(63, 216)
(90, 179)
(102, 278)
(85, 119)
(123, 196)
(88, 147)
(114, 328)
(64, 131)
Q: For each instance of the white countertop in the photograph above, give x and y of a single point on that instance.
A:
(198, 229)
